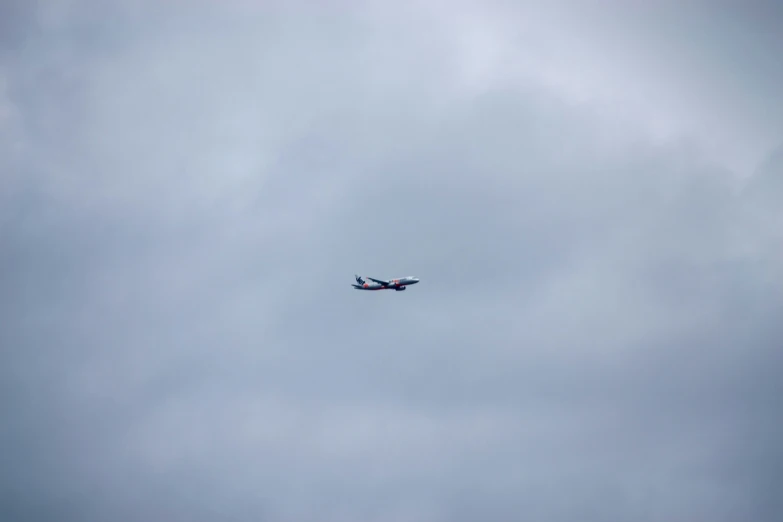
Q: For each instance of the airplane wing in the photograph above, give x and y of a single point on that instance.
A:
(380, 281)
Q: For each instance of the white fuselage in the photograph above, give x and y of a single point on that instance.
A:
(398, 284)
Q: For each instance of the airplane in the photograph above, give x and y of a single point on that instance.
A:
(379, 284)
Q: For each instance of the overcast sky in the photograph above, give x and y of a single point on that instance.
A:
(591, 194)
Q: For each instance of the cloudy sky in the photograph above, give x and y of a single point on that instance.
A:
(591, 193)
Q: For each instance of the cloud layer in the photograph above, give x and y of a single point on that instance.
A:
(188, 191)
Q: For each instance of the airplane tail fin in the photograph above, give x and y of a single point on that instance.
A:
(359, 279)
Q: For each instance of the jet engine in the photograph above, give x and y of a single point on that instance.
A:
(400, 289)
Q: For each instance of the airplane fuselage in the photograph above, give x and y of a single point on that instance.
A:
(398, 284)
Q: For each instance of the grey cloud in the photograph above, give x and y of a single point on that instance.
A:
(596, 334)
